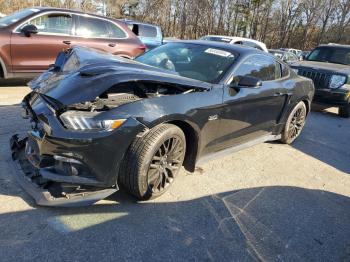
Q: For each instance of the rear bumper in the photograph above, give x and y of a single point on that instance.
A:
(44, 191)
(332, 97)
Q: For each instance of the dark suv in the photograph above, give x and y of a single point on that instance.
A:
(329, 67)
(31, 38)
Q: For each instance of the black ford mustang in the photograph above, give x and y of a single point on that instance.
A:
(99, 121)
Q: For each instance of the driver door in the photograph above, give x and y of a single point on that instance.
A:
(250, 113)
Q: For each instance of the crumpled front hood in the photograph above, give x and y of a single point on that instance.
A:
(96, 73)
(330, 67)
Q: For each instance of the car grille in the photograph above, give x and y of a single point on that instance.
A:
(321, 80)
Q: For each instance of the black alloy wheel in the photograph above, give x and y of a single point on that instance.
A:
(165, 164)
(153, 161)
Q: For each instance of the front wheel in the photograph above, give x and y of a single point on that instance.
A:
(344, 111)
(153, 161)
(294, 124)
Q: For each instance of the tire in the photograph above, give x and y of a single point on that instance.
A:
(344, 111)
(294, 124)
(152, 162)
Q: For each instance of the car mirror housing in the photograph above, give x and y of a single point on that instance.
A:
(28, 30)
(249, 82)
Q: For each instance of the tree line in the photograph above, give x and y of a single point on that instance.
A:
(301, 24)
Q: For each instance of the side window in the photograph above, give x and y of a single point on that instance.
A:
(284, 70)
(263, 67)
(53, 23)
(92, 27)
(116, 31)
(147, 31)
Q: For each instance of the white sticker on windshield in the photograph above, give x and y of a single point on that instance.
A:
(226, 39)
(218, 52)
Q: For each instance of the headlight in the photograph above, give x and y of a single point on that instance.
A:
(86, 121)
(296, 70)
(336, 81)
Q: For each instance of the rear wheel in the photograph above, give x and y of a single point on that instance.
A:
(294, 124)
(344, 111)
(153, 161)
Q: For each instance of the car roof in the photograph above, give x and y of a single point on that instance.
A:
(335, 45)
(128, 21)
(237, 38)
(41, 8)
(241, 49)
(277, 50)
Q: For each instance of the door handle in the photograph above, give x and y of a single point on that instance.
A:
(112, 44)
(279, 94)
(67, 42)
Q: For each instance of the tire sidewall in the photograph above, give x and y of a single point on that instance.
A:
(344, 111)
(285, 138)
(172, 131)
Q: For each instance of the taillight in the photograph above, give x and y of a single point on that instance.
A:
(142, 47)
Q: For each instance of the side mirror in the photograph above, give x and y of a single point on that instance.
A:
(28, 30)
(249, 82)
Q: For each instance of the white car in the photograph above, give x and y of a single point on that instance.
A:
(236, 40)
(297, 52)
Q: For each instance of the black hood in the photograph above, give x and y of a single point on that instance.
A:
(92, 72)
(324, 66)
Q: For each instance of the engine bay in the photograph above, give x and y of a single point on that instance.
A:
(130, 92)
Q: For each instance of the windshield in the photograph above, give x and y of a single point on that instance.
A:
(194, 61)
(336, 55)
(13, 18)
(217, 39)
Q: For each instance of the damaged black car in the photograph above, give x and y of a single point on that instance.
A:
(101, 121)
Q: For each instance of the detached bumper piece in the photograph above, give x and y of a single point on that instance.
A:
(45, 187)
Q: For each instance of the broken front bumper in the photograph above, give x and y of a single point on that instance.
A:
(67, 168)
(44, 191)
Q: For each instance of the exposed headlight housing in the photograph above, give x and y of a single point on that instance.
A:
(337, 81)
(87, 121)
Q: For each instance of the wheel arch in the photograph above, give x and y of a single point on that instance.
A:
(307, 103)
(192, 141)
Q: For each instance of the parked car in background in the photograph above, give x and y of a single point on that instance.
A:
(99, 121)
(236, 40)
(329, 67)
(304, 54)
(150, 35)
(297, 52)
(285, 56)
(31, 39)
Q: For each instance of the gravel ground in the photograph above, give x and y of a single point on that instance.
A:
(270, 202)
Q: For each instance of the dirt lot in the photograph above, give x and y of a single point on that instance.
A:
(270, 202)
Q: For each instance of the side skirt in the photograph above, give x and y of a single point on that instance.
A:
(234, 149)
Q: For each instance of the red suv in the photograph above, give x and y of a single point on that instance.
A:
(31, 39)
